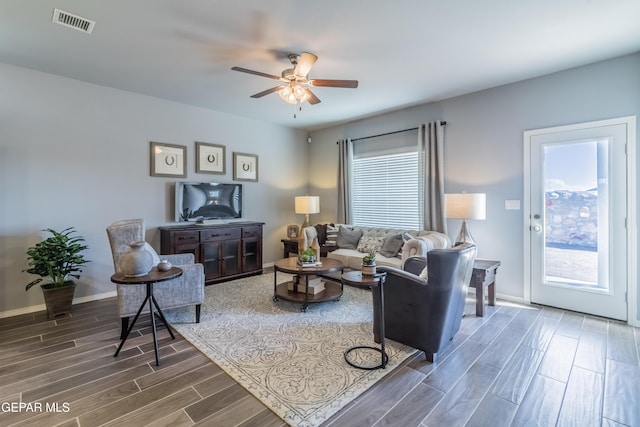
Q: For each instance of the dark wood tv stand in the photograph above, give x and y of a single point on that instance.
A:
(227, 251)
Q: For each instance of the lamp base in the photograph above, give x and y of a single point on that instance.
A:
(464, 236)
(306, 222)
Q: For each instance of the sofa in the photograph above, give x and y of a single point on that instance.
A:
(351, 243)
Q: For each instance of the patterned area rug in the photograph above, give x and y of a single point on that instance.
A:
(292, 361)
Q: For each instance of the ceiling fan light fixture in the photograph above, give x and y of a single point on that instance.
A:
(293, 94)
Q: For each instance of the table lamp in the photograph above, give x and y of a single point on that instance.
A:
(307, 205)
(465, 206)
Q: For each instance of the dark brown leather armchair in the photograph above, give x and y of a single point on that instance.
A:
(426, 314)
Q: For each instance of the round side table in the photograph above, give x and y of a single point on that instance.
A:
(154, 276)
(359, 280)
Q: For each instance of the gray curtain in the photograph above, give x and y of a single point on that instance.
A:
(431, 155)
(345, 155)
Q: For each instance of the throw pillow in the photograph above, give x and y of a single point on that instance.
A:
(348, 239)
(392, 245)
(368, 244)
(332, 235)
(424, 274)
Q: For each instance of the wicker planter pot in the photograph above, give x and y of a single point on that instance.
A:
(368, 269)
(58, 300)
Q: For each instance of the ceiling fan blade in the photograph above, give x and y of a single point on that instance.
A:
(351, 84)
(311, 97)
(255, 73)
(305, 62)
(267, 92)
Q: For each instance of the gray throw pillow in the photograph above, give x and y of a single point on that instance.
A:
(392, 245)
(348, 239)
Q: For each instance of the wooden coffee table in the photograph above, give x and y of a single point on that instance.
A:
(332, 291)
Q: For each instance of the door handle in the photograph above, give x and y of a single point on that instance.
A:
(537, 228)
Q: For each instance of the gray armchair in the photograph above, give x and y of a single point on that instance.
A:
(185, 290)
(426, 314)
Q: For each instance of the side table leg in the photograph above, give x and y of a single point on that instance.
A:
(480, 300)
(382, 331)
(135, 319)
(153, 326)
(164, 320)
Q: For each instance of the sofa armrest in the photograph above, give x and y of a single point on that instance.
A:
(414, 247)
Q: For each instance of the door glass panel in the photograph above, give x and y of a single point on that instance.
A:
(576, 215)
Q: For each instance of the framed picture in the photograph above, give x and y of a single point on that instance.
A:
(245, 167)
(292, 231)
(210, 158)
(168, 160)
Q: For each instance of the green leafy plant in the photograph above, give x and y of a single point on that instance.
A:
(56, 258)
(307, 255)
(369, 258)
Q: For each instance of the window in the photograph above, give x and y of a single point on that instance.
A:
(385, 182)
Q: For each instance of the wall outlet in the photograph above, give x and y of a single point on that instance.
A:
(512, 205)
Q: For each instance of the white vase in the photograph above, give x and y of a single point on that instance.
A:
(164, 265)
(137, 262)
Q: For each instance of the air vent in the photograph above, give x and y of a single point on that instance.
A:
(73, 21)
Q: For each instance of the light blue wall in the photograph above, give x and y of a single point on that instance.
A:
(76, 154)
(484, 145)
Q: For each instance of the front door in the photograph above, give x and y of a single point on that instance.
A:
(577, 207)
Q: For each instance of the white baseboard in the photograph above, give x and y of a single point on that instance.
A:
(42, 307)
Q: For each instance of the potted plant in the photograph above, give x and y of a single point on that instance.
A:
(57, 260)
(369, 263)
(307, 255)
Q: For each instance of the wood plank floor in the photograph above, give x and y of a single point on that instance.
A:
(517, 366)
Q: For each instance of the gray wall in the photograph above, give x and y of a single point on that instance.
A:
(76, 154)
(484, 145)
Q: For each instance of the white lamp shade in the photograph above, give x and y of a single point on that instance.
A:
(466, 206)
(307, 204)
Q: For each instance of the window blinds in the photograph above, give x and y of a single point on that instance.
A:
(385, 182)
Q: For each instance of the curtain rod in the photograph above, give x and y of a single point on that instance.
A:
(443, 123)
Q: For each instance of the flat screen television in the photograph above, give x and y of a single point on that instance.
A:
(208, 200)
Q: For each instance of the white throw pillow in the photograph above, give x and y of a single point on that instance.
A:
(424, 274)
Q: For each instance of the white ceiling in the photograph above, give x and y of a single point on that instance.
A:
(403, 52)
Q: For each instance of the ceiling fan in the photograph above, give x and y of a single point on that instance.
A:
(294, 81)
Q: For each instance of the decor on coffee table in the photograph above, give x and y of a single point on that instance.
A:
(57, 260)
(292, 362)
